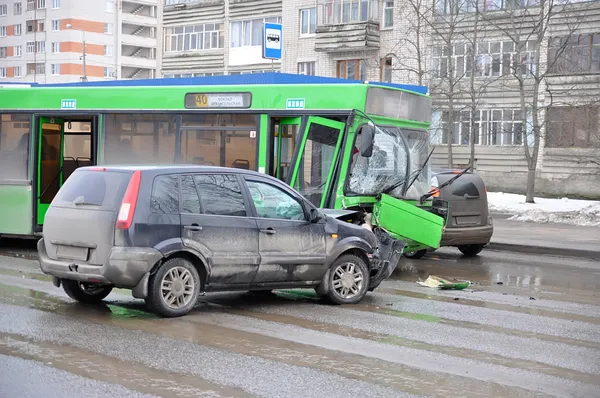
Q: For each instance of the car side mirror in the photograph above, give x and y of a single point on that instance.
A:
(366, 144)
(314, 215)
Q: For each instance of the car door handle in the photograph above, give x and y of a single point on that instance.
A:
(268, 231)
(193, 227)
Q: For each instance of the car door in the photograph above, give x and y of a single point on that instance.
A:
(215, 221)
(291, 247)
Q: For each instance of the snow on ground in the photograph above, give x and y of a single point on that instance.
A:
(544, 210)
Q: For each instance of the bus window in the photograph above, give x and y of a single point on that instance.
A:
(14, 146)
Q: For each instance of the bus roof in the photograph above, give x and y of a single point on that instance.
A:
(246, 79)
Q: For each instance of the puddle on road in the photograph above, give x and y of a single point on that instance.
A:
(112, 370)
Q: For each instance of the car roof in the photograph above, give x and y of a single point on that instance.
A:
(178, 168)
(441, 170)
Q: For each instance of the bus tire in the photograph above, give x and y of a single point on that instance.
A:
(415, 255)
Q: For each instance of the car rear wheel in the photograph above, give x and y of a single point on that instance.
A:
(415, 254)
(348, 280)
(470, 250)
(88, 293)
(173, 290)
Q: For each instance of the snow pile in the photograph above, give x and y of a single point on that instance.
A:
(544, 210)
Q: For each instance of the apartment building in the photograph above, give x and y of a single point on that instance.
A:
(43, 40)
(216, 37)
(433, 43)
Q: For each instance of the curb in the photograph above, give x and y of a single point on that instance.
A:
(552, 251)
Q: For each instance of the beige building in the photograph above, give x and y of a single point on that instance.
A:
(42, 40)
(400, 42)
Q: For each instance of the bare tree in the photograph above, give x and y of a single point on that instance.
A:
(528, 25)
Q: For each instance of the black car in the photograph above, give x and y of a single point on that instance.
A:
(172, 233)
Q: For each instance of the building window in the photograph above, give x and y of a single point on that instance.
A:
(2, 73)
(3, 52)
(18, 29)
(41, 4)
(575, 54)
(388, 13)
(385, 74)
(110, 6)
(333, 12)
(108, 28)
(56, 25)
(572, 126)
(2, 31)
(17, 51)
(55, 69)
(249, 33)
(491, 127)
(29, 47)
(109, 71)
(306, 68)
(353, 69)
(194, 37)
(36, 68)
(17, 8)
(108, 51)
(30, 5)
(308, 21)
(55, 4)
(55, 47)
(40, 46)
(18, 72)
(3, 11)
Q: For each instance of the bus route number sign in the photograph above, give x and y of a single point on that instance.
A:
(217, 100)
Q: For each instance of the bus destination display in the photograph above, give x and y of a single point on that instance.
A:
(217, 100)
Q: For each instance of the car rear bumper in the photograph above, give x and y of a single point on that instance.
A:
(467, 236)
(125, 266)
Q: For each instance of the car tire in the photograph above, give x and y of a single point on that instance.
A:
(415, 255)
(342, 278)
(470, 250)
(174, 288)
(86, 293)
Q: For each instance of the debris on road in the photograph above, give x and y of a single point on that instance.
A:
(439, 283)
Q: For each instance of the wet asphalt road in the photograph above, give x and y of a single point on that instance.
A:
(528, 326)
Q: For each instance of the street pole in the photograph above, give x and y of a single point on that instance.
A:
(84, 63)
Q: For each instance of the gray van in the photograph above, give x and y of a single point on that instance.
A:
(469, 226)
(172, 233)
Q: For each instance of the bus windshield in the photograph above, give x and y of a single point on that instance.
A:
(398, 155)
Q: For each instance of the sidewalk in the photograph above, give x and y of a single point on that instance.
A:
(552, 239)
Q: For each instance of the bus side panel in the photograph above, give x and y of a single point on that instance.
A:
(16, 202)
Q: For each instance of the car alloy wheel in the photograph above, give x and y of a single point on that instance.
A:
(347, 280)
(177, 287)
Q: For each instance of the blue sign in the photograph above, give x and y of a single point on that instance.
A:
(294, 103)
(272, 41)
(68, 104)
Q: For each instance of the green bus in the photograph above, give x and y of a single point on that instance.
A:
(355, 146)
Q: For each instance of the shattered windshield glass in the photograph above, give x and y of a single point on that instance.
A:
(388, 164)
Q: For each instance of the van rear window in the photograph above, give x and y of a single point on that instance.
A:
(104, 189)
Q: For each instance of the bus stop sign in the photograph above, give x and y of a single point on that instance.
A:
(272, 41)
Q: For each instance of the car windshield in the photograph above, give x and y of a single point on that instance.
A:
(398, 155)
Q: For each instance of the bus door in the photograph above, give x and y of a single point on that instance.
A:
(316, 158)
(50, 162)
(284, 142)
(64, 146)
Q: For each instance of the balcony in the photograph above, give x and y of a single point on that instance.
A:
(357, 36)
(143, 2)
(138, 41)
(137, 62)
(139, 20)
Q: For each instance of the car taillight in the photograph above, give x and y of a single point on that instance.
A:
(127, 209)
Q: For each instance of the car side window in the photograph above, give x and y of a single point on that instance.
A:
(165, 195)
(220, 194)
(272, 202)
(190, 199)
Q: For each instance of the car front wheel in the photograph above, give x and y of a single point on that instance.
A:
(470, 250)
(88, 293)
(173, 290)
(348, 280)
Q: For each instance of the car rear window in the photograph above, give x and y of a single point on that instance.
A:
(103, 189)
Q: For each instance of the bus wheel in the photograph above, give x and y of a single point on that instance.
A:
(87, 293)
(415, 255)
(348, 280)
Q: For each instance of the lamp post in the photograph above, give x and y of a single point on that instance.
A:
(84, 78)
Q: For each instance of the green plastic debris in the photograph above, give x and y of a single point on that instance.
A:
(439, 283)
